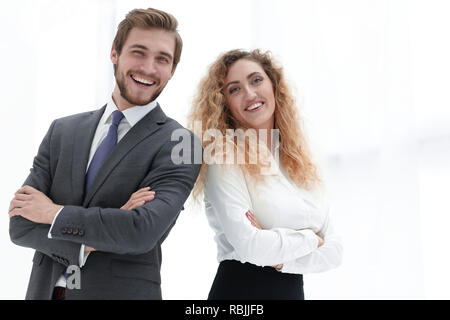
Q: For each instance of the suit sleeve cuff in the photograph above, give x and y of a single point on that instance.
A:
(54, 219)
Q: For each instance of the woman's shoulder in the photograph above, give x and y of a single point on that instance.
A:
(224, 181)
(223, 171)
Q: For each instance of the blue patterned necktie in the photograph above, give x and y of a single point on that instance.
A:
(103, 150)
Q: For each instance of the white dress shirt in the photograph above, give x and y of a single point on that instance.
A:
(131, 117)
(290, 218)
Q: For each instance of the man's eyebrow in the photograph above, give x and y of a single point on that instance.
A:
(248, 77)
(138, 46)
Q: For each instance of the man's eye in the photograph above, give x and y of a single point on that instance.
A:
(163, 59)
(139, 53)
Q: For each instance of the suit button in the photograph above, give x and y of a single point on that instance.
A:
(81, 232)
(75, 231)
(69, 231)
(64, 230)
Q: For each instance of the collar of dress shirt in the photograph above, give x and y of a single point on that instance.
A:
(132, 115)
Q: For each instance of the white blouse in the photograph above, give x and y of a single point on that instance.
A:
(290, 218)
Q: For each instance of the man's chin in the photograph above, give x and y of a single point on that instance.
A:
(138, 102)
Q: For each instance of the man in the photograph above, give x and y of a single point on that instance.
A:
(104, 190)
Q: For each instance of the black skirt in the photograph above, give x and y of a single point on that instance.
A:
(245, 281)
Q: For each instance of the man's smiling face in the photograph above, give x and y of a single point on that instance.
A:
(144, 66)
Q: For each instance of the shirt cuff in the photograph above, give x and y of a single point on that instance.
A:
(312, 240)
(54, 219)
(288, 267)
(82, 257)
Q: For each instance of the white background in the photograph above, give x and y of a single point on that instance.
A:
(371, 79)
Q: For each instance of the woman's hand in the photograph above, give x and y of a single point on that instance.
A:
(252, 219)
(321, 241)
(256, 224)
(139, 198)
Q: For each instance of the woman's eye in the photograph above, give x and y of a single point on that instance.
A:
(233, 90)
(257, 80)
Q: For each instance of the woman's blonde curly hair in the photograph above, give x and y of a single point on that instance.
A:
(209, 107)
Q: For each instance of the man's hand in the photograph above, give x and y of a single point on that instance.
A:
(139, 198)
(33, 205)
(88, 249)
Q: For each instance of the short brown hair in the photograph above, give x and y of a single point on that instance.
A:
(148, 18)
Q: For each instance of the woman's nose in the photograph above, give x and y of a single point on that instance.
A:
(250, 93)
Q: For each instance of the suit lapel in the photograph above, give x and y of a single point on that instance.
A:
(82, 146)
(141, 130)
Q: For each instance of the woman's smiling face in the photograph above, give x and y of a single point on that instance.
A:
(249, 95)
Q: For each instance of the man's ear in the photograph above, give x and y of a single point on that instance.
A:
(114, 55)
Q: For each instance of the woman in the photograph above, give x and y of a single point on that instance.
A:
(270, 220)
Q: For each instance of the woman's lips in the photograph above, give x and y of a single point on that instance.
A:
(254, 106)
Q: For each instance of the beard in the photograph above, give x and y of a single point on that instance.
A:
(125, 92)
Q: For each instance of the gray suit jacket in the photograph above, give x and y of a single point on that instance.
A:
(128, 261)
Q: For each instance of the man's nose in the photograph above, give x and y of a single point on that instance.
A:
(149, 66)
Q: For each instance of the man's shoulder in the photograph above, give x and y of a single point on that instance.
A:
(78, 116)
(172, 125)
